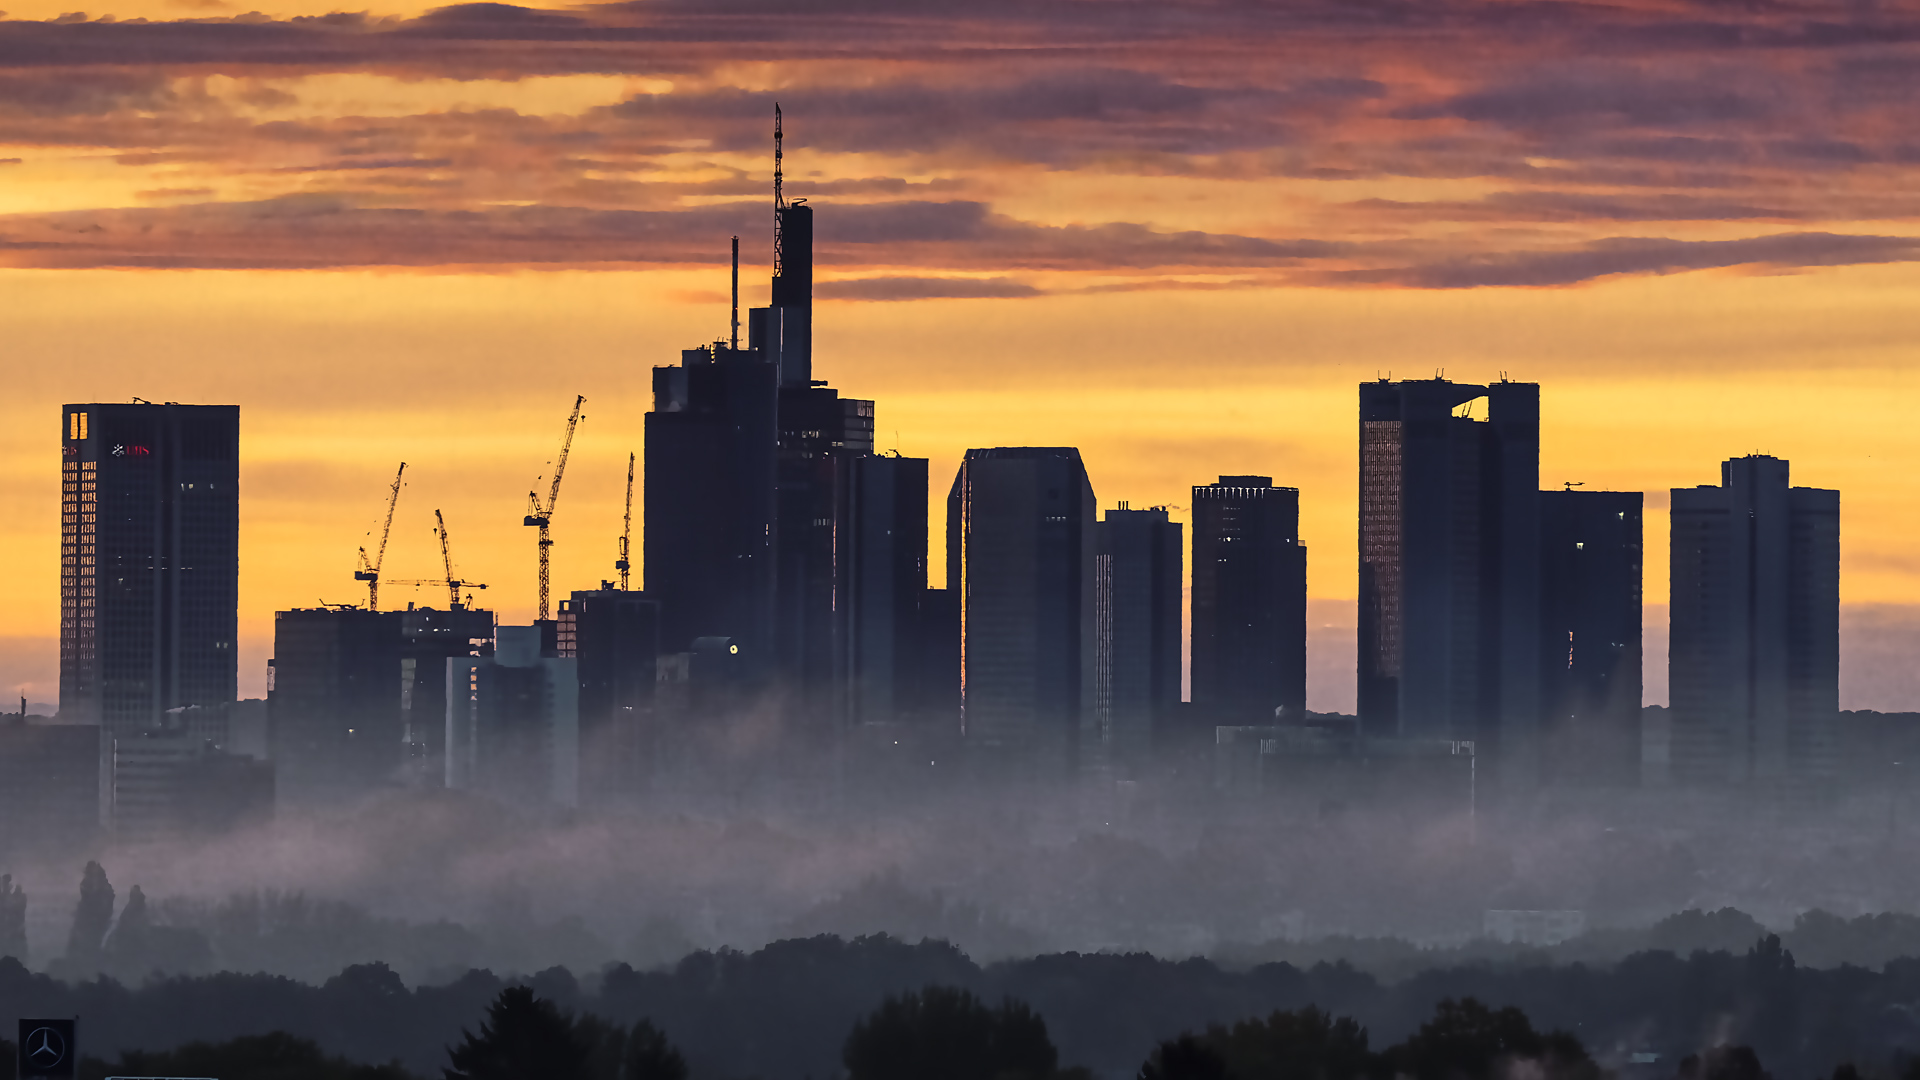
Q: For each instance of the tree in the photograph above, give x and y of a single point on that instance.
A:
(523, 1038)
(131, 937)
(1466, 1040)
(273, 1056)
(1306, 1044)
(650, 1056)
(1185, 1058)
(91, 918)
(13, 919)
(1303, 1045)
(945, 1033)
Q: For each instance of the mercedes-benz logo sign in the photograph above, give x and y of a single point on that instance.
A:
(45, 1047)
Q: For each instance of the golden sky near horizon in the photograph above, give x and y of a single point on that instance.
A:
(415, 235)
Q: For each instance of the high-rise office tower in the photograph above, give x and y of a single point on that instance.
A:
(887, 578)
(821, 435)
(747, 490)
(1249, 602)
(149, 561)
(709, 532)
(614, 635)
(357, 699)
(1020, 558)
(1754, 660)
(1137, 575)
(1450, 565)
(1590, 570)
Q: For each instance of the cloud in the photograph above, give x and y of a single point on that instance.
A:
(319, 231)
(920, 128)
(923, 288)
(1646, 255)
(1608, 94)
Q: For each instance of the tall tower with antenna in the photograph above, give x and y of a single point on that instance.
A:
(784, 329)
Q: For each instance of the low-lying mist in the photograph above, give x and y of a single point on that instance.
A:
(434, 883)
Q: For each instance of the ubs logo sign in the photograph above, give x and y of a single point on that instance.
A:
(46, 1049)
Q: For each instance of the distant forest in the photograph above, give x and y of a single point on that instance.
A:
(786, 1010)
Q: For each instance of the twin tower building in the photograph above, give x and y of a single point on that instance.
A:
(1494, 612)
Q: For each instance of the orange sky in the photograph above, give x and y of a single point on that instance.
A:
(418, 239)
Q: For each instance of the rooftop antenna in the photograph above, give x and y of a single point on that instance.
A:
(779, 197)
(1571, 484)
(734, 343)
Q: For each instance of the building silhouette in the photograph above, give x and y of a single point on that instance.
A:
(1754, 660)
(1139, 558)
(765, 522)
(614, 637)
(1590, 685)
(356, 700)
(709, 537)
(149, 553)
(513, 723)
(822, 435)
(887, 594)
(1249, 628)
(1020, 560)
(1449, 566)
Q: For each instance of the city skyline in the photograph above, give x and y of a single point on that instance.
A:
(1063, 310)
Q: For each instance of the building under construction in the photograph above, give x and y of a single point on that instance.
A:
(356, 699)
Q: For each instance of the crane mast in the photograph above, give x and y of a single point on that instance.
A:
(369, 572)
(623, 563)
(541, 516)
(446, 559)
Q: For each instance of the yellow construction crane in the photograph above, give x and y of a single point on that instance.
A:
(453, 584)
(623, 564)
(541, 516)
(369, 572)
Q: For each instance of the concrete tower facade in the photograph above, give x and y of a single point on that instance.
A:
(1020, 558)
(1450, 566)
(1754, 661)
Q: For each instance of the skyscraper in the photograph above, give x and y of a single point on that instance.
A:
(614, 635)
(149, 561)
(709, 532)
(1754, 661)
(1590, 570)
(821, 435)
(1449, 565)
(1020, 558)
(886, 598)
(1249, 602)
(1138, 579)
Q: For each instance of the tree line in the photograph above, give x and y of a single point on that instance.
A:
(948, 1033)
(785, 1010)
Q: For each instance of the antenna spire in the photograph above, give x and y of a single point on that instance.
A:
(779, 197)
(734, 343)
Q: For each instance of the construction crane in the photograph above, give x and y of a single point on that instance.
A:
(369, 572)
(624, 564)
(452, 585)
(446, 559)
(541, 516)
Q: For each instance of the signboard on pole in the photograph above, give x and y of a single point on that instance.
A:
(47, 1049)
